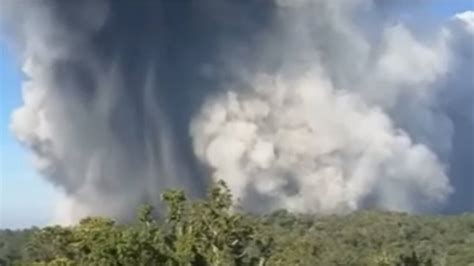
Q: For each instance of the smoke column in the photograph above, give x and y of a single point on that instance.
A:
(323, 106)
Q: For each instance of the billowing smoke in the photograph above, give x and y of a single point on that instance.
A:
(322, 106)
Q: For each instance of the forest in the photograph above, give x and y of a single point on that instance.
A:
(213, 232)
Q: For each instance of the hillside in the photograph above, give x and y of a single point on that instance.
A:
(208, 233)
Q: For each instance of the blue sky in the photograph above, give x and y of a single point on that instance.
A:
(25, 198)
(449, 7)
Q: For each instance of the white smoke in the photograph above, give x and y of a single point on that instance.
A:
(345, 123)
(302, 146)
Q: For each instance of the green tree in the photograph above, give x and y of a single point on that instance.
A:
(212, 232)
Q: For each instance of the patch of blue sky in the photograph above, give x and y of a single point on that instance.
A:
(446, 8)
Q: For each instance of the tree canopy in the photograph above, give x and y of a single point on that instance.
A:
(212, 232)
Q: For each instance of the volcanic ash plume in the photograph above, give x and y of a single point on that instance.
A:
(302, 146)
(345, 122)
(323, 106)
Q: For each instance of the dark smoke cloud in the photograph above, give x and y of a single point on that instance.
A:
(121, 100)
(123, 80)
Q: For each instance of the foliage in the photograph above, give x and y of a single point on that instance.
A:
(12, 243)
(211, 232)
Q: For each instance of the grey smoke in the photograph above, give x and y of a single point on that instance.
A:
(313, 106)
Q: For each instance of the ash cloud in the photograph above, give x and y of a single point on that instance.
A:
(314, 106)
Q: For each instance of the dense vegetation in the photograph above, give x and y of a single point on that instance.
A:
(208, 233)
